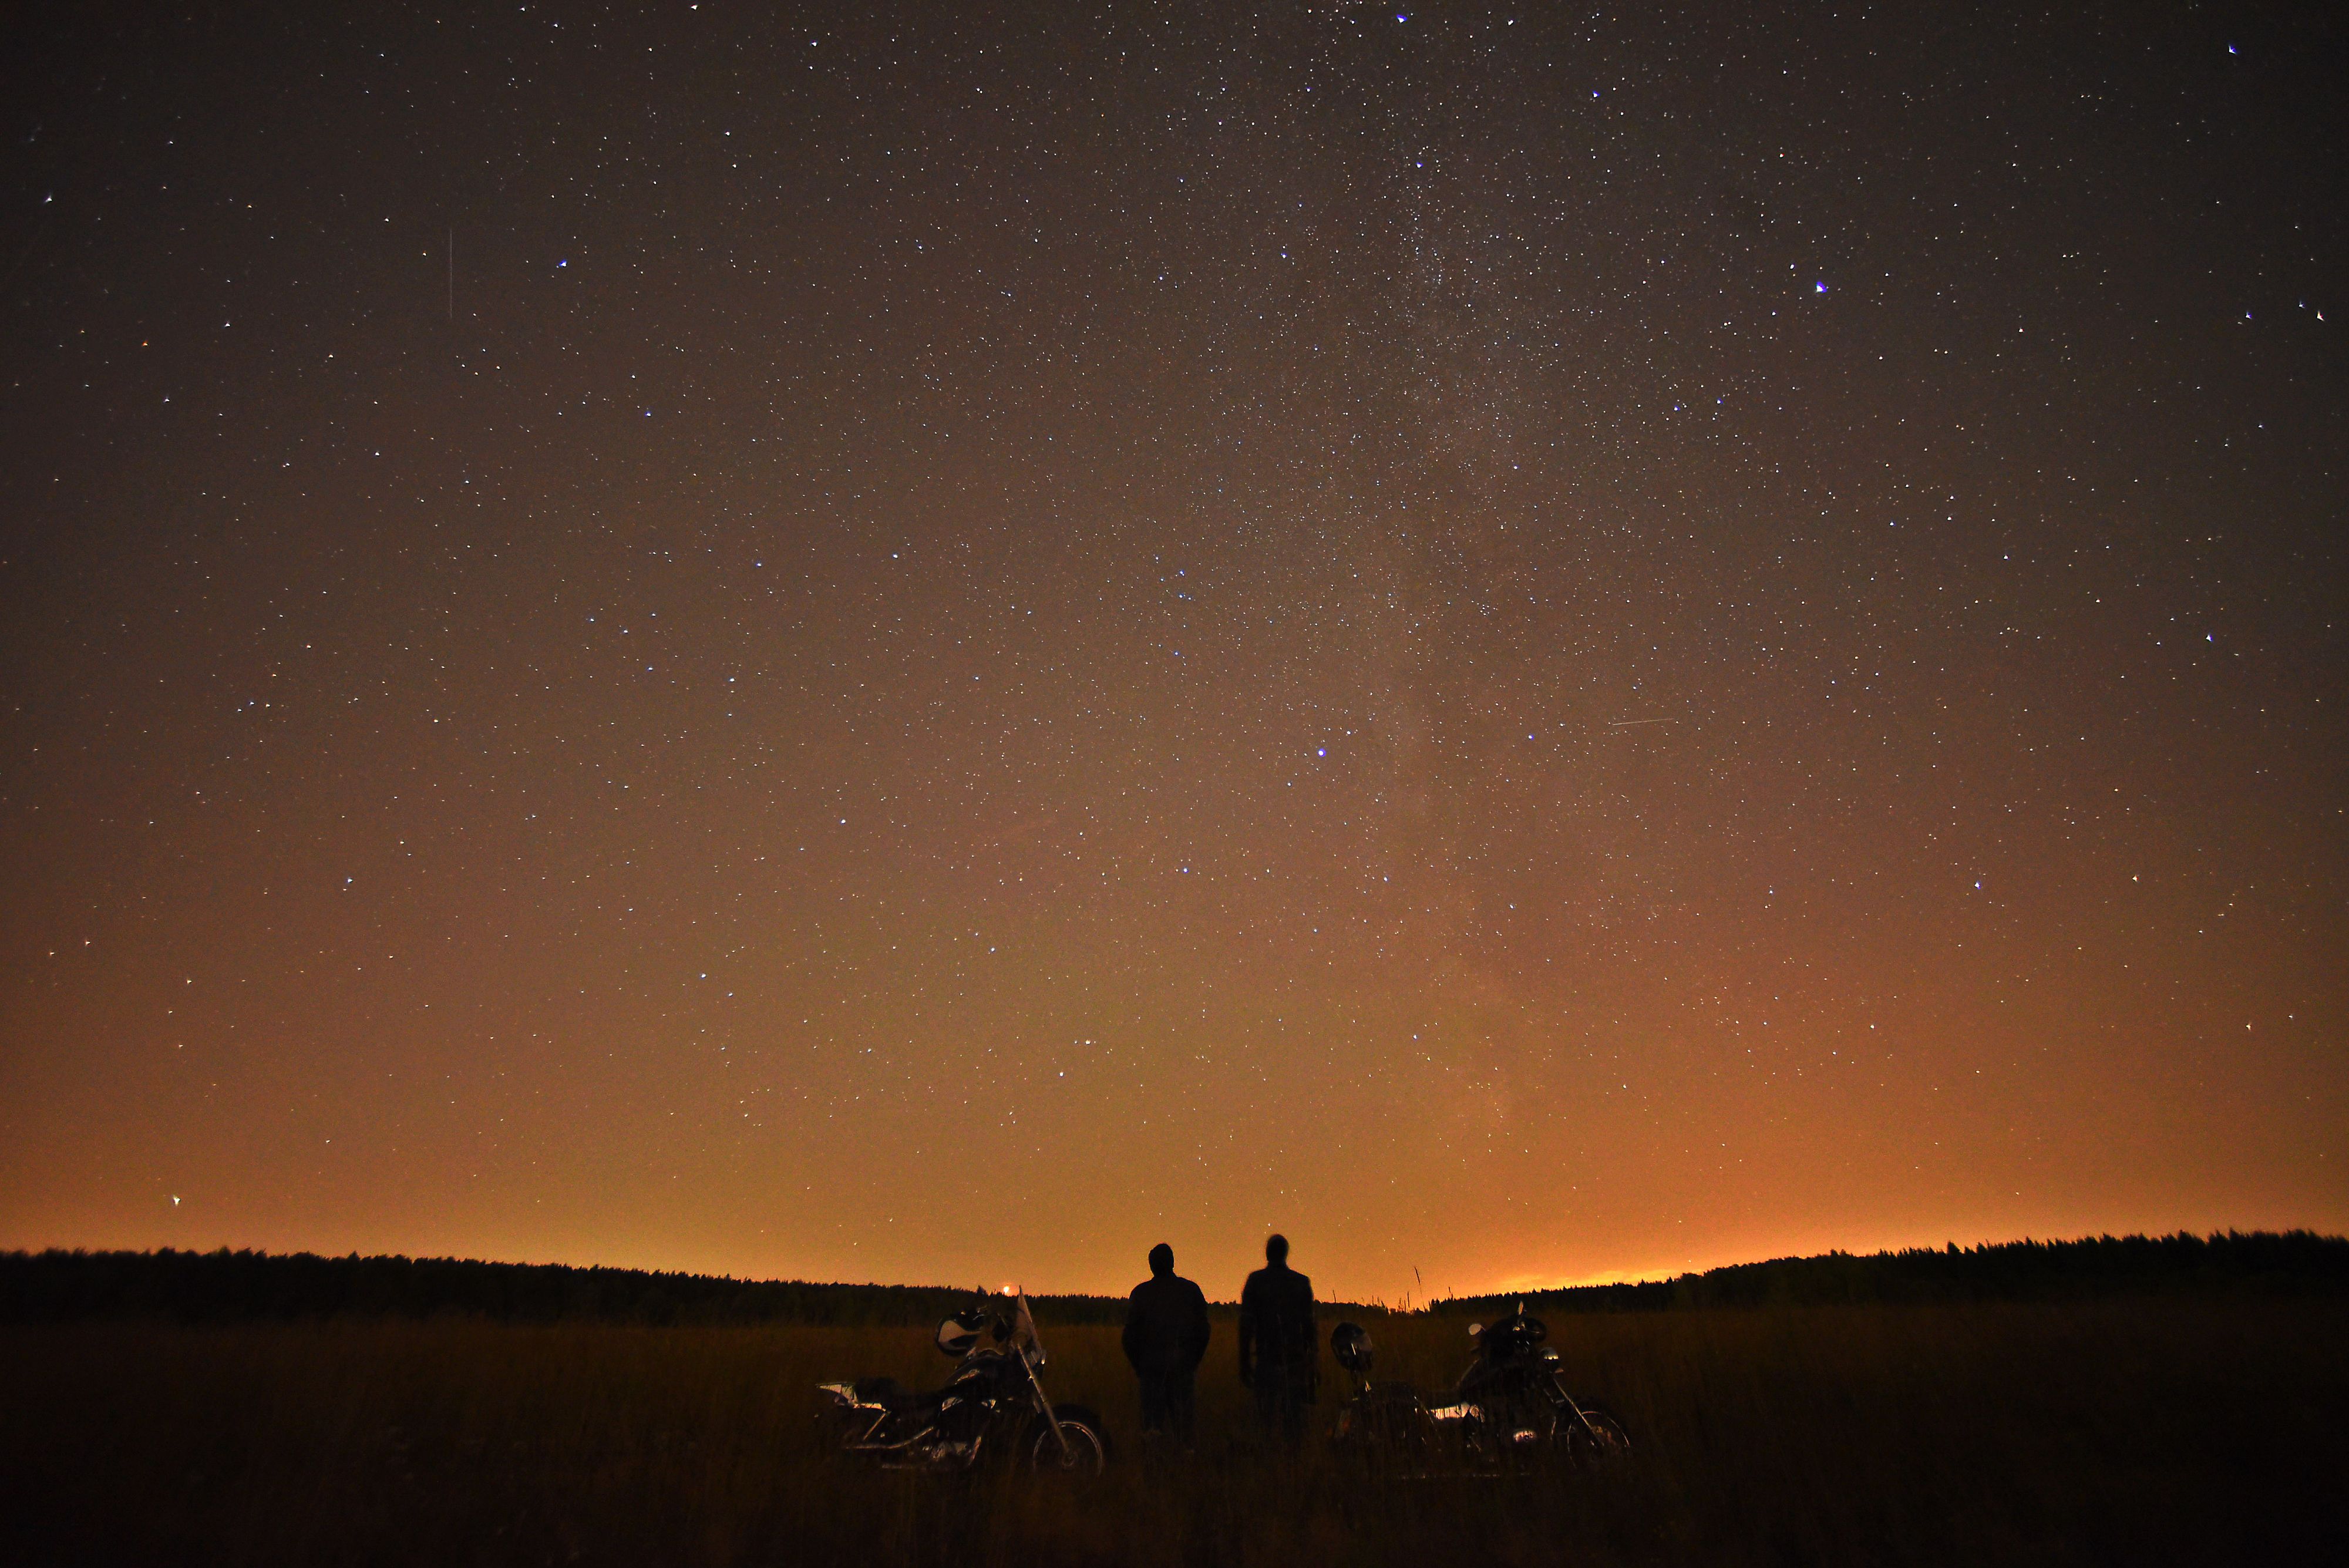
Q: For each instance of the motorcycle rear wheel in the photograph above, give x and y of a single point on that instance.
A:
(1087, 1451)
(1385, 1433)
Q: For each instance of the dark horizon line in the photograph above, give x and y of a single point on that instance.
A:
(2305, 1256)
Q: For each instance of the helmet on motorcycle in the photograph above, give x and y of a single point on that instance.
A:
(959, 1334)
(1350, 1344)
(1516, 1334)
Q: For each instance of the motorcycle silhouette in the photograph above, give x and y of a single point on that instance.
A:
(993, 1408)
(1510, 1409)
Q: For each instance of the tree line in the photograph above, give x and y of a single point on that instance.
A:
(226, 1286)
(232, 1286)
(2290, 1263)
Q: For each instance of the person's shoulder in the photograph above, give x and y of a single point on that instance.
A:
(1191, 1288)
(1138, 1291)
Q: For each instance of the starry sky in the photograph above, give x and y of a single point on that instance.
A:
(938, 644)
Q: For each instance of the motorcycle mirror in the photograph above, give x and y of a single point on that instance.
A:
(1474, 1329)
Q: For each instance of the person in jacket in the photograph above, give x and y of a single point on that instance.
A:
(1166, 1335)
(1280, 1358)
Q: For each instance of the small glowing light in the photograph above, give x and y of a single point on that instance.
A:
(1822, 287)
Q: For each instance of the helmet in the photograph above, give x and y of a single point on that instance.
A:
(1516, 1334)
(959, 1335)
(1350, 1344)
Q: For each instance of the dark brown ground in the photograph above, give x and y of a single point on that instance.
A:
(2120, 1431)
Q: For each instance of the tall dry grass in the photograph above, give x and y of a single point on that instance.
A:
(2108, 1432)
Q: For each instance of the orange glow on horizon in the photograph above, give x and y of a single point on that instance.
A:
(1516, 652)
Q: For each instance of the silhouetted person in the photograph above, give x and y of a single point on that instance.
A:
(1167, 1337)
(1280, 1358)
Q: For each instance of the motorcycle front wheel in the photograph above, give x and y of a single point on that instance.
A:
(1597, 1437)
(1086, 1453)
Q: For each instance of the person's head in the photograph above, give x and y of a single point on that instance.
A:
(1161, 1259)
(1276, 1250)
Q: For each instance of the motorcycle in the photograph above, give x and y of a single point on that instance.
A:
(993, 1408)
(1510, 1409)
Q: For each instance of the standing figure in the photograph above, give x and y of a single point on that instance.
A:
(1280, 1358)
(1166, 1339)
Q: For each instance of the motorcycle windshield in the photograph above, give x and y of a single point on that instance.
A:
(1023, 1333)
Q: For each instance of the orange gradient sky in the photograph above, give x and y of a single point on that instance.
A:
(1530, 650)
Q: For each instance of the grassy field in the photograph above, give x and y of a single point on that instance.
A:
(2118, 1431)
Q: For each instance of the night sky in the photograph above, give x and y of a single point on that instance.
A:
(938, 646)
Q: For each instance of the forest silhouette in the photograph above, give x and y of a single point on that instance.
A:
(226, 1286)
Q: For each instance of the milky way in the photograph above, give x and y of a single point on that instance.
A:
(934, 649)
